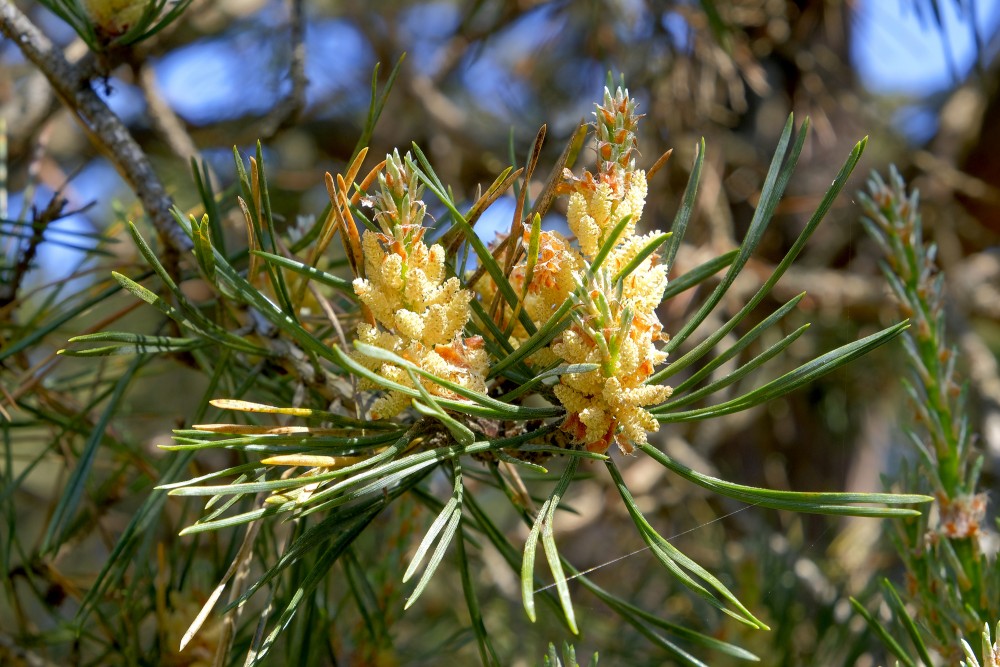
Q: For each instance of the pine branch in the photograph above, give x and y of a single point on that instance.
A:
(106, 130)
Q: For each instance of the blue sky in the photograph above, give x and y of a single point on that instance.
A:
(899, 50)
(894, 51)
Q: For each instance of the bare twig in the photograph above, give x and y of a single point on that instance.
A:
(106, 130)
(40, 220)
(164, 119)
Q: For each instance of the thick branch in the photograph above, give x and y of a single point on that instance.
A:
(106, 130)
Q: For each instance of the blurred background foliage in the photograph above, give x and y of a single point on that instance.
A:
(919, 76)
